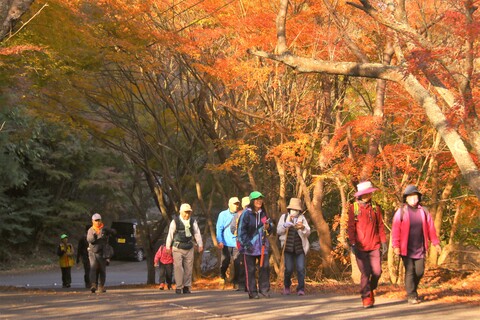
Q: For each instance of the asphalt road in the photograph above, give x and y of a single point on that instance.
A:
(49, 301)
(118, 273)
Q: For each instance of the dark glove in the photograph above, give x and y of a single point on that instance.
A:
(384, 248)
(354, 249)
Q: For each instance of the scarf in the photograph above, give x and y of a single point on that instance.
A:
(99, 229)
(186, 223)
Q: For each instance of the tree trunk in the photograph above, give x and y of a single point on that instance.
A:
(10, 13)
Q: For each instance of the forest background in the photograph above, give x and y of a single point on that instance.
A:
(128, 108)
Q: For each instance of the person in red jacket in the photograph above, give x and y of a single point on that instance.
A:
(412, 229)
(366, 236)
(164, 261)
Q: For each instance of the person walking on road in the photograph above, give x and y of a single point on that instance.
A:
(66, 261)
(412, 229)
(164, 261)
(82, 254)
(97, 237)
(253, 229)
(227, 242)
(366, 235)
(294, 230)
(181, 232)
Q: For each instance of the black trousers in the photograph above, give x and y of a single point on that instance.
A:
(66, 276)
(165, 273)
(263, 284)
(229, 254)
(414, 269)
(86, 270)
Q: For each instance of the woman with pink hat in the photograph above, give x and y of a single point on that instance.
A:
(366, 236)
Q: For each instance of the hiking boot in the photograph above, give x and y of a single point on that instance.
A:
(413, 301)
(162, 286)
(186, 290)
(101, 289)
(372, 297)
(169, 286)
(235, 287)
(253, 296)
(286, 291)
(301, 293)
(93, 288)
(178, 291)
(367, 302)
(265, 294)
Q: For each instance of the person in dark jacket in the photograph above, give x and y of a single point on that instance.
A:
(82, 254)
(181, 232)
(366, 235)
(253, 229)
(97, 237)
(412, 230)
(65, 253)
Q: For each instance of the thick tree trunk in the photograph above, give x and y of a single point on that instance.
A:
(10, 13)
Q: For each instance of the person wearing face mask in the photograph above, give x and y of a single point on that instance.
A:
(412, 229)
(294, 230)
(366, 235)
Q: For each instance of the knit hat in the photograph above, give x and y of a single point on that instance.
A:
(295, 204)
(365, 187)
(411, 189)
(255, 195)
(63, 236)
(96, 216)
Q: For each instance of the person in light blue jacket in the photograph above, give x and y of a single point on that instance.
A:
(227, 241)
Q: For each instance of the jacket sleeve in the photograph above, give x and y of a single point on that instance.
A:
(197, 234)
(171, 232)
(432, 232)
(156, 259)
(351, 232)
(243, 230)
(60, 252)
(396, 229)
(307, 230)
(220, 228)
(91, 236)
(281, 230)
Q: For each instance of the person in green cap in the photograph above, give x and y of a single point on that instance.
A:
(65, 253)
(253, 229)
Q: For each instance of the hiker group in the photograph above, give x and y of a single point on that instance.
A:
(242, 235)
(243, 229)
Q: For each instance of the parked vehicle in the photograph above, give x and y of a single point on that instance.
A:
(127, 243)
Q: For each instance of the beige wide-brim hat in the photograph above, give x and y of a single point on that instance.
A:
(365, 187)
(295, 204)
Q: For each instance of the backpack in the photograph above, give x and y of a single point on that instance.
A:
(356, 208)
(234, 223)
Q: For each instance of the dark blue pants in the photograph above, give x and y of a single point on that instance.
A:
(291, 259)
